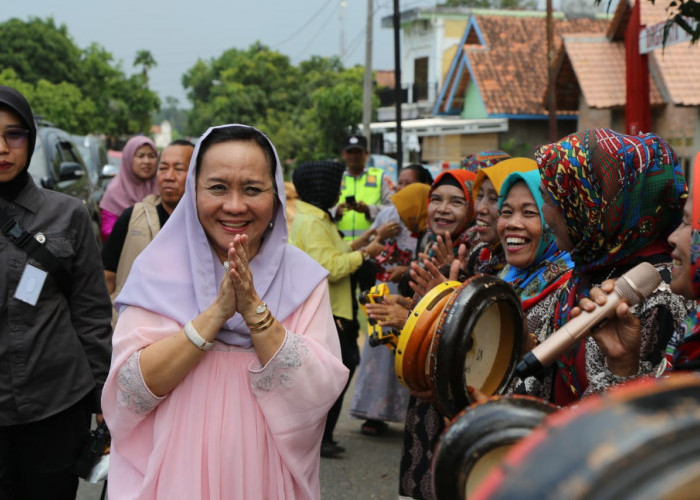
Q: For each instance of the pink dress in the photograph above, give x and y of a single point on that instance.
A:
(233, 429)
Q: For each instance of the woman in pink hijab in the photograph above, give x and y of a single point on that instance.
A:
(136, 180)
(226, 357)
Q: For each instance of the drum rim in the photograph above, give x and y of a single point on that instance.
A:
(500, 421)
(450, 389)
(402, 346)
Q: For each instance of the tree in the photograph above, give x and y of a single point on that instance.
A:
(38, 49)
(79, 90)
(307, 110)
(145, 59)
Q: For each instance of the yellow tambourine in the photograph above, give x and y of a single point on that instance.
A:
(410, 361)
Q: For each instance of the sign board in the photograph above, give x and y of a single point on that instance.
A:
(652, 37)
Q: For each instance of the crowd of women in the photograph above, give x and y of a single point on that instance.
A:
(226, 358)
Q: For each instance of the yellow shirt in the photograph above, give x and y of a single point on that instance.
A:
(313, 232)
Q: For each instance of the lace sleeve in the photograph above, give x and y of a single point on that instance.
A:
(279, 370)
(134, 394)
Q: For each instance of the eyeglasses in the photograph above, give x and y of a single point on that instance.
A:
(16, 137)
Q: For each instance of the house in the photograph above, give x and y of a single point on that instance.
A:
(590, 81)
(500, 72)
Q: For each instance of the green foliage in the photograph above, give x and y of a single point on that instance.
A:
(82, 91)
(306, 110)
(517, 150)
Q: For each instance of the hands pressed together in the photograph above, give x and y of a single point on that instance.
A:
(237, 292)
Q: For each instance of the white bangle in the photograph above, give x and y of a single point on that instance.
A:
(196, 338)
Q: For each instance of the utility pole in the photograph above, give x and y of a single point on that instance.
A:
(341, 19)
(397, 84)
(367, 84)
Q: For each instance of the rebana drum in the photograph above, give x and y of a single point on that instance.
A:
(638, 441)
(478, 341)
(478, 439)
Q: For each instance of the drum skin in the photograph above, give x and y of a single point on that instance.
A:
(478, 342)
(415, 338)
(475, 440)
(638, 441)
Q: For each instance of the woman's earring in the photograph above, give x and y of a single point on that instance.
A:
(271, 225)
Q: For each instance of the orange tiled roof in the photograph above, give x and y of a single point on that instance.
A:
(679, 69)
(599, 63)
(385, 78)
(511, 69)
(599, 68)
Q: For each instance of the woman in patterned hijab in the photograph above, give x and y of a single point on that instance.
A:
(612, 200)
(621, 336)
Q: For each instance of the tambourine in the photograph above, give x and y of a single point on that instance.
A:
(478, 341)
(410, 360)
(641, 440)
(478, 438)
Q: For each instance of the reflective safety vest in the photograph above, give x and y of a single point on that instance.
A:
(366, 188)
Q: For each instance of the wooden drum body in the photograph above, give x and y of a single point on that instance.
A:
(478, 439)
(638, 441)
(410, 361)
(478, 341)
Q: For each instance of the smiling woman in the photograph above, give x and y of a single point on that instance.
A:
(221, 315)
(536, 266)
(136, 180)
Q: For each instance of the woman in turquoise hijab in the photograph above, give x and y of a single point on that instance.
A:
(536, 266)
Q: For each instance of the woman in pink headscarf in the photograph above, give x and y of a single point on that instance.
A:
(226, 357)
(136, 180)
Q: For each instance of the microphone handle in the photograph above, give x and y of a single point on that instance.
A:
(566, 337)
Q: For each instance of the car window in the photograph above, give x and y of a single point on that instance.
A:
(37, 167)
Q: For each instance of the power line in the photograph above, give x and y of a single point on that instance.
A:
(303, 26)
(323, 26)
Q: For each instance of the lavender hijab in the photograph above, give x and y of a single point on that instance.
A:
(178, 274)
(126, 189)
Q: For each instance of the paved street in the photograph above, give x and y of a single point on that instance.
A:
(368, 470)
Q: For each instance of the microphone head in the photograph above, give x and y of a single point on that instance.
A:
(638, 283)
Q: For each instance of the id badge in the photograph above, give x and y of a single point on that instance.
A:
(30, 285)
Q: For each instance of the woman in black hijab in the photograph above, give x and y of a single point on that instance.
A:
(313, 231)
(54, 321)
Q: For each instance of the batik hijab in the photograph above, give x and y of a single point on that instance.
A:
(621, 196)
(687, 354)
(465, 180)
(412, 206)
(126, 188)
(178, 274)
(318, 182)
(551, 267)
(476, 161)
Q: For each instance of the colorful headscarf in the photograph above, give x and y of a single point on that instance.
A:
(126, 189)
(465, 179)
(178, 274)
(618, 193)
(621, 196)
(552, 266)
(688, 352)
(476, 161)
(498, 172)
(412, 206)
(489, 258)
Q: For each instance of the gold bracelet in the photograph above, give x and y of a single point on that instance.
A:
(263, 324)
(264, 319)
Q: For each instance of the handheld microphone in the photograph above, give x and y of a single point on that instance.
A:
(633, 287)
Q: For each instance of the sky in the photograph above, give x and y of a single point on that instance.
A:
(178, 33)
